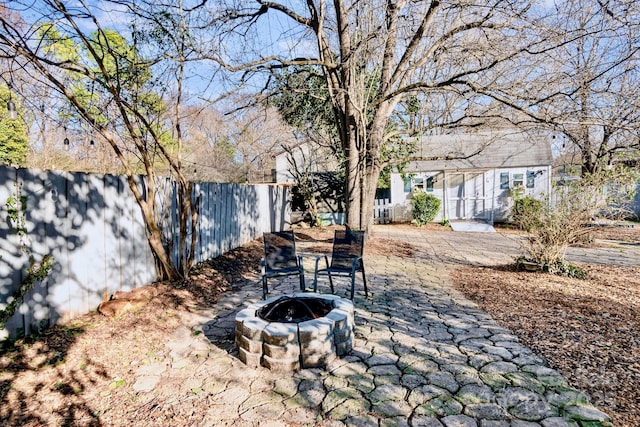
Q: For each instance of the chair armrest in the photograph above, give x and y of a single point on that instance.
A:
(326, 260)
(354, 265)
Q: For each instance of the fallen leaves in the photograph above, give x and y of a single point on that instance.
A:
(587, 329)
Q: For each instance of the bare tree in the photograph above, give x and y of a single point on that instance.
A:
(373, 55)
(582, 83)
(233, 147)
(208, 151)
(106, 84)
(257, 133)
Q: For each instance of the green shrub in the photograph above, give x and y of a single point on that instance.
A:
(425, 208)
(563, 268)
(559, 268)
(526, 213)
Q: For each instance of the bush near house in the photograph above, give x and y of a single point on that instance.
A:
(565, 218)
(425, 208)
(526, 213)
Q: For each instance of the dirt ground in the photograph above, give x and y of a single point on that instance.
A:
(587, 329)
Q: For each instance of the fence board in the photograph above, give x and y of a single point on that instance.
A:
(57, 231)
(95, 225)
(12, 260)
(111, 243)
(50, 209)
(228, 219)
(218, 219)
(35, 310)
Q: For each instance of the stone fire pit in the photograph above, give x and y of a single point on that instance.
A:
(311, 341)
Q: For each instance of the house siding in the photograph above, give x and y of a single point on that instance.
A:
(466, 172)
(494, 205)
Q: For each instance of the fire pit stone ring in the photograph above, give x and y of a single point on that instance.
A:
(289, 346)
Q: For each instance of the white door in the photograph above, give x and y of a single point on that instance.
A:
(466, 196)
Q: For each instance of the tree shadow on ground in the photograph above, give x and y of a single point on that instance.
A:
(38, 387)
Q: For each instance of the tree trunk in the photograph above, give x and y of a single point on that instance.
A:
(166, 269)
(353, 183)
(368, 199)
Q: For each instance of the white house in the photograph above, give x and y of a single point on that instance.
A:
(474, 174)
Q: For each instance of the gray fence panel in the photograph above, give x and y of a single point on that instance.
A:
(175, 222)
(111, 242)
(139, 256)
(93, 227)
(246, 216)
(210, 249)
(243, 216)
(125, 234)
(201, 230)
(53, 240)
(234, 209)
(263, 207)
(280, 211)
(220, 203)
(57, 234)
(214, 217)
(206, 222)
(35, 310)
(77, 253)
(196, 198)
(12, 260)
(227, 219)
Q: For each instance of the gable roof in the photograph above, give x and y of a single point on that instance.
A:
(481, 151)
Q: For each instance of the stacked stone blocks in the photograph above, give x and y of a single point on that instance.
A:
(286, 347)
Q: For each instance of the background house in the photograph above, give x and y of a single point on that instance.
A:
(474, 175)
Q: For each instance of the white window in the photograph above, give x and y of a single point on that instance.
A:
(518, 180)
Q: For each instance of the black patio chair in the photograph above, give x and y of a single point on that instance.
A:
(346, 259)
(280, 259)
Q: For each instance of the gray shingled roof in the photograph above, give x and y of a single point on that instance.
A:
(481, 151)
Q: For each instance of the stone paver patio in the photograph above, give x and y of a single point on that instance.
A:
(423, 355)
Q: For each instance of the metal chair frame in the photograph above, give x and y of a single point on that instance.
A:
(346, 259)
(280, 259)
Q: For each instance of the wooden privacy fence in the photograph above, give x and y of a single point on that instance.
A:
(92, 226)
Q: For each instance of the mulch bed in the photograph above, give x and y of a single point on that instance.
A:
(587, 329)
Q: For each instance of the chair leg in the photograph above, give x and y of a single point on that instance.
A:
(364, 280)
(353, 285)
(303, 286)
(330, 282)
(315, 281)
(265, 289)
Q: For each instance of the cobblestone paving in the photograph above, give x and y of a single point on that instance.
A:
(423, 355)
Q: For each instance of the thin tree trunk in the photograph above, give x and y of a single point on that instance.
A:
(353, 184)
